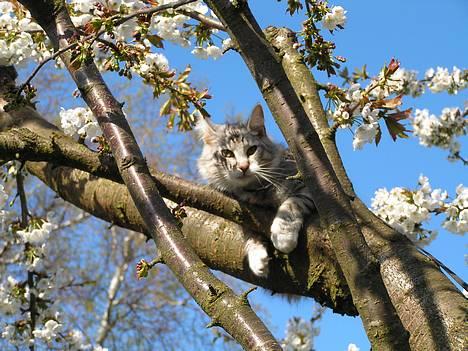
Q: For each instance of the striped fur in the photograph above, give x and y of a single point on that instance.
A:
(241, 160)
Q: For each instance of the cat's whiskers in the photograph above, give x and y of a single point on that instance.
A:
(270, 179)
(270, 171)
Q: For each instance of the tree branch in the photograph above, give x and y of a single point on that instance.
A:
(215, 298)
(114, 286)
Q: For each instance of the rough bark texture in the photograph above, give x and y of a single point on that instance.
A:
(217, 300)
(429, 306)
(360, 267)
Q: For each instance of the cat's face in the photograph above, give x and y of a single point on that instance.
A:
(236, 155)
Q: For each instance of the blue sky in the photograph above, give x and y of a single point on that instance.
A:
(421, 34)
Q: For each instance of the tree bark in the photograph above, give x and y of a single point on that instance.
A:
(216, 299)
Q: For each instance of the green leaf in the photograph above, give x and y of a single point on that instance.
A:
(165, 108)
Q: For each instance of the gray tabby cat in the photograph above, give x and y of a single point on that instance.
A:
(240, 159)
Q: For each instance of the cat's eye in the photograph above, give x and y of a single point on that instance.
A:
(227, 153)
(251, 150)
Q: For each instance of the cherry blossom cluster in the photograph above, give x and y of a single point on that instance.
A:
(406, 210)
(441, 79)
(335, 18)
(19, 41)
(171, 25)
(441, 131)
(121, 43)
(366, 106)
(381, 98)
(299, 335)
(27, 249)
(79, 121)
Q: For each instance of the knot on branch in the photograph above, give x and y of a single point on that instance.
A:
(131, 160)
(243, 298)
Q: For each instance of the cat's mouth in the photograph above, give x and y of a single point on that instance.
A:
(243, 177)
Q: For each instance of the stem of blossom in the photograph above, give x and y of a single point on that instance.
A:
(24, 224)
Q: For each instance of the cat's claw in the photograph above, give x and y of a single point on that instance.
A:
(258, 259)
(284, 234)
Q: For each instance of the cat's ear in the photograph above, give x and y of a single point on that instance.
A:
(206, 130)
(256, 123)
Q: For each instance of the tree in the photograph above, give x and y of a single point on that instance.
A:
(356, 263)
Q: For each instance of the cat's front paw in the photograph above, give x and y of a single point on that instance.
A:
(258, 259)
(284, 234)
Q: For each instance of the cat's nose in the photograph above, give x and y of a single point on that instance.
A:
(243, 167)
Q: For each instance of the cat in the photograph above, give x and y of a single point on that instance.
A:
(242, 161)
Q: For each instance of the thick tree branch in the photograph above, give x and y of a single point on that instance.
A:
(215, 298)
(438, 307)
(359, 266)
(218, 242)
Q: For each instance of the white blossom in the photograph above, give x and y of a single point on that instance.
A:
(441, 79)
(369, 114)
(365, 133)
(457, 212)
(200, 52)
(8, 332)
(406, 210)
(78, 340)
(440, 131)
(335, 18)
(214, 52)
(404, 82)
(354, 93)
(227, 43)
(170, 28)
(299, 335)
(8, 303)
(36, 235)
(49, 332)
(81, 20)
(79, 121)
(353, 347)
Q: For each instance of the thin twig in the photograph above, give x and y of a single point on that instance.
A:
(454, 276)
(207, 21)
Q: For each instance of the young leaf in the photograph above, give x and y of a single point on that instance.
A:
(395, 128)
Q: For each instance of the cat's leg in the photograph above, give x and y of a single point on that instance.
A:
(257, 257)
(288, 222)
